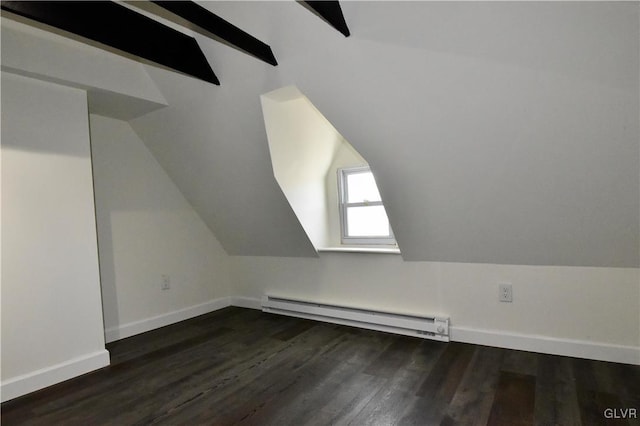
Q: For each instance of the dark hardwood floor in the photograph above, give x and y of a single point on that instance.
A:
(241, 366)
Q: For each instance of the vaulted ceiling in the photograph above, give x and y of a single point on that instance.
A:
(498, 132)
(112, 25)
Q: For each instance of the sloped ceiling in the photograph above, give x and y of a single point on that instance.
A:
(116, 87)
(499, 132)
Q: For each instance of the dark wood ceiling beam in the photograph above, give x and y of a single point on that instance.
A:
(331, 12)
(220, 29)
(118, 27)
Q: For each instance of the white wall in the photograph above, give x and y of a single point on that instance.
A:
(302, 145)
(577, 311)
(51, 309)
(147, 229)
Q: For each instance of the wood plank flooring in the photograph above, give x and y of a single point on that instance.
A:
(244, 367)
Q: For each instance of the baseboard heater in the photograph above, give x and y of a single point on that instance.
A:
(436, 328)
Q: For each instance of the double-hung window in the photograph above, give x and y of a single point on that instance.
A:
(363, 217)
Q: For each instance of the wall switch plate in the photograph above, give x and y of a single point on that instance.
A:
(506, 292)
(166, 282)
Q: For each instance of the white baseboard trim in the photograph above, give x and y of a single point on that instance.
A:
(246, 302)
(39, 379)
(148, 324)
(548, 345)
(523, 342)
(497, 338)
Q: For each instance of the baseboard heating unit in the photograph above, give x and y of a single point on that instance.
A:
(436, 328)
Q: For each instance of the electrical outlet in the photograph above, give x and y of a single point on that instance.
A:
(166, 282)
(506, 292)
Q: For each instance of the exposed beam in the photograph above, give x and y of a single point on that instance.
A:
(219, 29)
(121, 28)
(331, 12)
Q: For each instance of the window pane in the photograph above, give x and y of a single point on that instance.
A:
(361, 187)
(367, 221)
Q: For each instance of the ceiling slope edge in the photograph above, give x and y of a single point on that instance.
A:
(117, 87)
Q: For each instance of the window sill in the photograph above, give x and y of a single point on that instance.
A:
(374, 250)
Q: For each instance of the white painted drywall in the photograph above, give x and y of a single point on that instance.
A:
(116, 86)
(51, 304)
(306, 153)
(147, 229)
(494, 148)
(599, 306)
(214, 166)
(500, 133)
(302, 145)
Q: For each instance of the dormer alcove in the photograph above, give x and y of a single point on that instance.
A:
(307, 155)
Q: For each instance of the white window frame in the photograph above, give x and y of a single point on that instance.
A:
(387, 240)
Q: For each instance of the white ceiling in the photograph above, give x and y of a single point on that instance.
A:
(499, 132)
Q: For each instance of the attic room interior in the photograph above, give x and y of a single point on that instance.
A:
(290, 212)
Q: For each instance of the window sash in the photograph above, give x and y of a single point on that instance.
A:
(387, 239)
(367, 219)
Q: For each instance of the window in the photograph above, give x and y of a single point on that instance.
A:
(363, 217)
